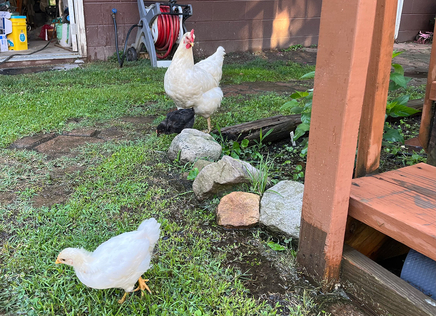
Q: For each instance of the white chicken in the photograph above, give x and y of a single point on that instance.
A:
(118, 262)
(195, 85)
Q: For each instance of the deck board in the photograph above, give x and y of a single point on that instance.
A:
(400, 204)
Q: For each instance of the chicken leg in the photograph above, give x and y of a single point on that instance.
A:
(209, 125)
(142, 286)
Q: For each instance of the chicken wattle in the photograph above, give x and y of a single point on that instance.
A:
(192, 85)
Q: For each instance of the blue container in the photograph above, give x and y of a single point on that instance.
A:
(420, 272)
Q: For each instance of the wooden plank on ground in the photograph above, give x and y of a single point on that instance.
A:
(376, 93)
(345, 37)
(387, 294)
(400, 204)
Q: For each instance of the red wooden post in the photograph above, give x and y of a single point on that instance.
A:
(427, 131)
(345, 38)
(377, 85)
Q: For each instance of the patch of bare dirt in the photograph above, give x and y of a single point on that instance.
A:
(305, 56)
(60, 185)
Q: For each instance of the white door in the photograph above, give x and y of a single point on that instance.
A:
(398, 20)
(77, 26)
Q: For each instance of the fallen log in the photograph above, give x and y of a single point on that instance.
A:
(281, 126)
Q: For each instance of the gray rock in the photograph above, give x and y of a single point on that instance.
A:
(221, 176)
(192, 145)
(280, 207)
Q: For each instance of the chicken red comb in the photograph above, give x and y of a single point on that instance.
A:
(192, 35)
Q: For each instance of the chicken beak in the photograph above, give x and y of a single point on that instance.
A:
(192, 44)
(57, 261)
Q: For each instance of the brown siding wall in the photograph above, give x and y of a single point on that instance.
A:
(237, 25)
(416, 17)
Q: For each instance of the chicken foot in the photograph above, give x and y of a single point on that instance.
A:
(121, 301)
(142, 286)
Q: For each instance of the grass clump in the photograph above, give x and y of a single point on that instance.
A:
(263, 70)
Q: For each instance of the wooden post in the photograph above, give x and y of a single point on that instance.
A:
(345, 38)
(429, 112)
(377, 85)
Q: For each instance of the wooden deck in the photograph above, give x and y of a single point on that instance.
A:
(400, 204)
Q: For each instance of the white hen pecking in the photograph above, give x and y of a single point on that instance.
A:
(118, 262)
(195, 85)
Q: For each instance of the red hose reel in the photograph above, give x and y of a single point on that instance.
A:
(161, 25)
(168, 32)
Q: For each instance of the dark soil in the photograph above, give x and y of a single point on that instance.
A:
(306, 56)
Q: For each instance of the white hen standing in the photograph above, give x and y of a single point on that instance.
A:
(195, 85)
(118, 262)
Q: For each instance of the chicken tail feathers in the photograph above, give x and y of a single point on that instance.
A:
(213, 64)
(152, 229)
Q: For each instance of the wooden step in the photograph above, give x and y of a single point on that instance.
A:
(401, 204)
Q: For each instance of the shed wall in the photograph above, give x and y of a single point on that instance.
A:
(237, 25)
(418, 15)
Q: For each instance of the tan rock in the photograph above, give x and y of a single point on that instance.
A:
(238, 210)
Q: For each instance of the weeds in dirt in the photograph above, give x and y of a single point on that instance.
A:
(259, 180)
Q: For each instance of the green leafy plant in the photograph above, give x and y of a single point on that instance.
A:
(397, 78)
(260, 143)
(241, 150)
(193, 174)
(293, 48)
(309, 75)
(299, 173)
(275, 246)
(301, 103)
(238, 148)
(397, 107)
